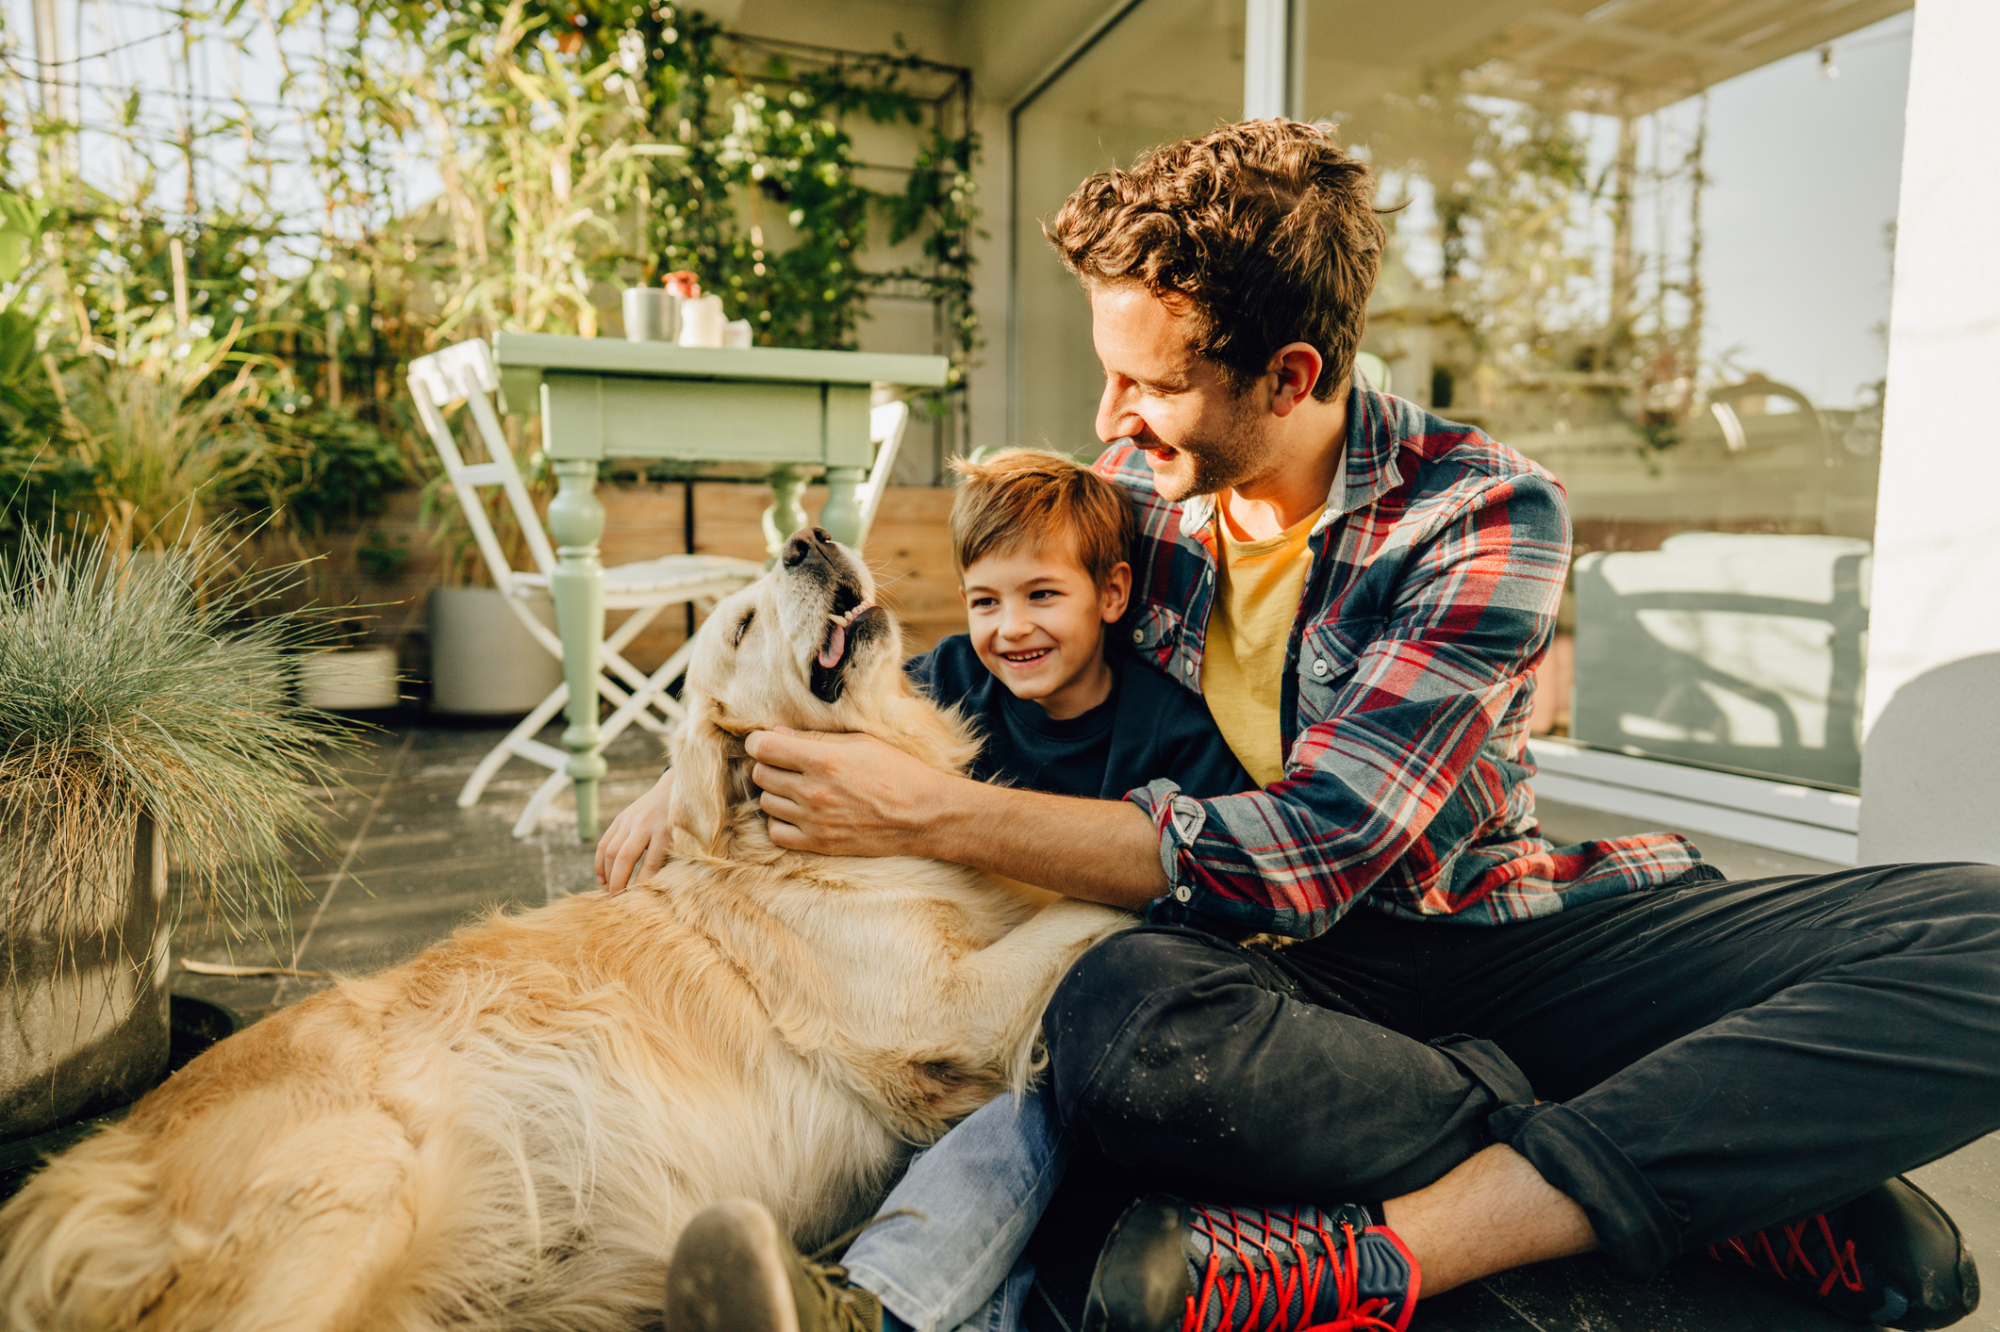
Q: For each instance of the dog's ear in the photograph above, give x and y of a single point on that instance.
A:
(710, 778)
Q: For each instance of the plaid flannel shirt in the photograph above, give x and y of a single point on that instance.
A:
(1409, 679)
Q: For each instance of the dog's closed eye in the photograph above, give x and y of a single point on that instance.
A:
(742, 627)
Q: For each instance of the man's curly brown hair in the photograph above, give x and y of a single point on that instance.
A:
(1264, 232)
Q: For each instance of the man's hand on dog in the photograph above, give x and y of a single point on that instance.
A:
(841, 794)
(638, 840)
(852, 795)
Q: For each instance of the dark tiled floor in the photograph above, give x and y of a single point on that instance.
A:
(405, 866)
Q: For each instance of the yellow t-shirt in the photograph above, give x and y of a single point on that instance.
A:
(1257, 590)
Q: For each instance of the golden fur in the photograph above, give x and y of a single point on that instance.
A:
(511, 1130)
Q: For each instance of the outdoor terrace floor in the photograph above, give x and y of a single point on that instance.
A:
(407, 865)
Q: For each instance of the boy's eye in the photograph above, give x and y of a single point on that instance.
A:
(984, 603)
(1043, 594)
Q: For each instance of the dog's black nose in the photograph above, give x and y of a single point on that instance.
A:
(804, 544)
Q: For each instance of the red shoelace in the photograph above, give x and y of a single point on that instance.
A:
(1276, 1283)
(1756, 1250)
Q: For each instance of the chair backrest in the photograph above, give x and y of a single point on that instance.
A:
(886, 425)
(466, 373)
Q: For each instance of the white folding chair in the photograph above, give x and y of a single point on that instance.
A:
(466, 373)
(886, 425)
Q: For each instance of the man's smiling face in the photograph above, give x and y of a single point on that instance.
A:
(1199, 436)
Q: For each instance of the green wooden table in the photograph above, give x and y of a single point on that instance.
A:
(606, 398)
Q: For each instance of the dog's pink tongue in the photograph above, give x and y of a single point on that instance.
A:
(829, 656)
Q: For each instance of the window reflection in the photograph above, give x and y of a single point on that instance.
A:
(1648, 244)
(1651, 250)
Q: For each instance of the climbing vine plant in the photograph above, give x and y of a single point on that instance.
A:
(607, 141)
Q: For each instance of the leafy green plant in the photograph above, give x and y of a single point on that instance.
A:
(379, 557)
(599, 142)
(134, 683)
(170, 431)
(333, 464)
(581, 147)
(36, 473)
(20, 228)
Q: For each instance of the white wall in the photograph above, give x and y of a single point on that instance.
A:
(1011, 45)
(1930, 775)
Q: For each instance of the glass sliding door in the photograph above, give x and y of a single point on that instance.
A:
(1648, 244)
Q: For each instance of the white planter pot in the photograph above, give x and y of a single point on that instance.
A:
(83, 1025)
(484, 662)
(350, 681)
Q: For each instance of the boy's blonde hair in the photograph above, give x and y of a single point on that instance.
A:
(1031, 498)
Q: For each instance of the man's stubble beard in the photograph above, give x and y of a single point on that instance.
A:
(1218, 464)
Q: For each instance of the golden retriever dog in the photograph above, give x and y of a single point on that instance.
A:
(511, 1130)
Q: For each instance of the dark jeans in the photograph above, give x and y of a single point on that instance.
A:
(1716, 1056)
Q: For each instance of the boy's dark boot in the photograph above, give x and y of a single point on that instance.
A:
(734, 1271)
(1176, 1266)
(1891, 1257)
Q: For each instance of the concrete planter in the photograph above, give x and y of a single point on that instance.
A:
(349, 681)
(84, 1026)
(484, 662)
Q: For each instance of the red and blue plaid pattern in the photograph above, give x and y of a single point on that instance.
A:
(1409, 680)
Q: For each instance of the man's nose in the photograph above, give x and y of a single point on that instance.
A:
(805, 544)
(1115, 418)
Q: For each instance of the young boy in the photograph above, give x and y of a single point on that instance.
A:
(1039, 544)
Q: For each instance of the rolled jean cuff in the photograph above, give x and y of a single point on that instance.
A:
(1486, 1065)
(1636, 1231)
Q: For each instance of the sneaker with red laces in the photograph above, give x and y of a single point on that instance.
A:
(1175, 1266)
(1891, 1257)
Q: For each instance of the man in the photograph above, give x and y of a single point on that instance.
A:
(1512, 1051)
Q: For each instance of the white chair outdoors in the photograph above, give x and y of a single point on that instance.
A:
(886, 425)
(466, 373)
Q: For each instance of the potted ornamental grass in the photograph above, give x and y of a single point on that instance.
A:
(152, 759)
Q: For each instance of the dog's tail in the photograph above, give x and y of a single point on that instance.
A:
(274, 1184)
(127, 1232)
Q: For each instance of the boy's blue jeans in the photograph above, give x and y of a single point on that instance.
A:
(974, 1198)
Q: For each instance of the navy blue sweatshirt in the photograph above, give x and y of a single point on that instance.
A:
(1148, 727)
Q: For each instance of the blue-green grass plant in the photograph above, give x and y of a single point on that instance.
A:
(142, 682)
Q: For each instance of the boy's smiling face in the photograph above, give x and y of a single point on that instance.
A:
(1038, 622)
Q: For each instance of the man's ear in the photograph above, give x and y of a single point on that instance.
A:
(707, 783)
(1297, 366)
(1116, 593)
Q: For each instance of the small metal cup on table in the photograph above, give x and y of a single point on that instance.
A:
(652, 314)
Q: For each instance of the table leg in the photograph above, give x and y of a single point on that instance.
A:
(842, 515)
(576, 519)
(786, 515)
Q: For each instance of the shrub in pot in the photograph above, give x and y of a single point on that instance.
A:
(145, 724)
